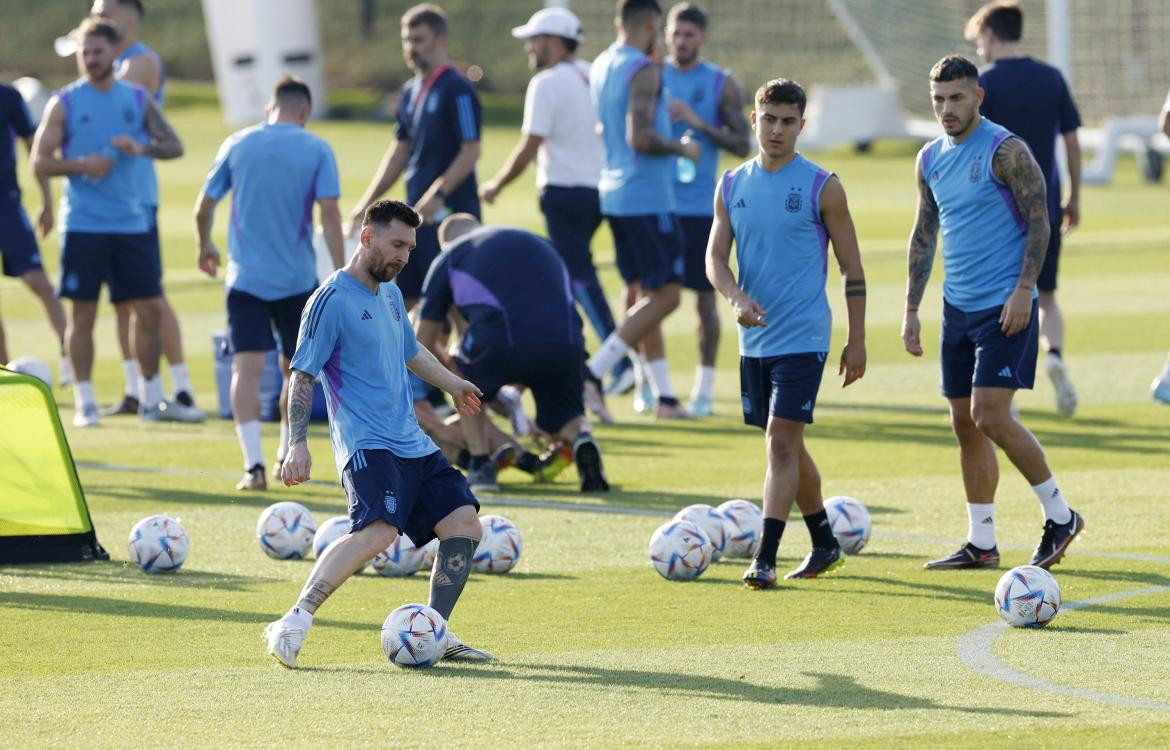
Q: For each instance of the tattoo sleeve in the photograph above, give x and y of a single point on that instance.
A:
(736, 134)
(316, 591)
(923, 242)
(300, 404)
(164, 142)
(645, 90)
(1013, 163)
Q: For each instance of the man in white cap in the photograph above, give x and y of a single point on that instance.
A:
(560, 132)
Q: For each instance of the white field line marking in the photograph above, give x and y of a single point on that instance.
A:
(976, 650)
(590, 508)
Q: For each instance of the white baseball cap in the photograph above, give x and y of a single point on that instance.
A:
(552, 21)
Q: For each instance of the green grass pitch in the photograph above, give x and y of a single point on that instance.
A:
(594, 649)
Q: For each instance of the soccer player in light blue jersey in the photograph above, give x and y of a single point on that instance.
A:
(103, 128)
(275, 171)
(781, 210)
(138, 63)
(982, 187)
(707, 101)
(637, 197)
(355, 337)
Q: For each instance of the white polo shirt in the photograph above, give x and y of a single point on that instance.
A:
(558, 108)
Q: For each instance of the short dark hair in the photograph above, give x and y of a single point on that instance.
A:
(632, 11)
(1002, 18)
(426, 14)
(385, 211)
(688, 12)
(291, 88)
(782, 91)
(97, 26)
(954, 68)
(136, 4)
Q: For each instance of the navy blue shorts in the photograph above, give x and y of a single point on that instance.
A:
(696, 230)
(18, 242)
(784, 386)
(251, 321)
(554, 374)
(128, 262)
(976, 354)
(572, 215)
(411, 494)
(649, 249)
(426, 249)
(1046, 282)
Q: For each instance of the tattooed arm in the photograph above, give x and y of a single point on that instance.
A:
(164, 142)
(1013, 163)
(640, 134)
(734, 134)
(923, 242)
(297, 461)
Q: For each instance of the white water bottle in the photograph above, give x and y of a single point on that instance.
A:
(684, 167)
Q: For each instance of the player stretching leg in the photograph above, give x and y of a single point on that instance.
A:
(355, 336)
(980, 184)
(783, 313)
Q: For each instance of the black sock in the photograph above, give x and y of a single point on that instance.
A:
(773, 530)
(475, 462)
(820, 530)
(668, 400)
(527, 462)
(1055, 351)
(463, 460)
(452, 566)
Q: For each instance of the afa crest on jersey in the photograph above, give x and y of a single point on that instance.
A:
(976, 171)
(794, 202)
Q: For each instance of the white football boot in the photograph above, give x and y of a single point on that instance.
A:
(284, 642)
(457, 650)
(1066, 395)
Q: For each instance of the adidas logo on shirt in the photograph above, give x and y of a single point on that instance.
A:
(366, 315)
(739, 204)
(1005, 372)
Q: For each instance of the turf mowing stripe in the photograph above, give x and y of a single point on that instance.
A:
(975, 649)
(620, 510)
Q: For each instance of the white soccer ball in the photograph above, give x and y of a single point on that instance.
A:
(850, 522)
(328, 533)
(747, 526)
(499, 549)
(286, 531)
(401, 558)
(1027, 597)
(414, 636)
(158, 544)
(713, 525)
(32, 366)
(429, 552)
(679, 550)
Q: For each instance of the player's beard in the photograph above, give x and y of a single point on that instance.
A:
(385, 272)
(99, 74)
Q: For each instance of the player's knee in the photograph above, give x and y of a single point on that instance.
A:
(376, 537)
(990, 419)
(783, 449)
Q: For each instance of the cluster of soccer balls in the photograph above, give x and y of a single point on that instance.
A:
(698, 535)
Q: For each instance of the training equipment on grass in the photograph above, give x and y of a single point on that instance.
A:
(286, 531)
(746, 522)
(400, 559)
(43, 515)
(499, 549)
(679, 550)
(713, 525)
(850, 522)
(32, 366)
(158, 544)
(414, 636)
(1027, 597)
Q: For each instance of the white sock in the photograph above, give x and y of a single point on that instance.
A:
(249, 435)
(65, 368)
(300, 618)
(150, 391)
(608, 354)
(282, 447)
(83, 394)
(131, 375)
(181, 380)
(981, 524)
(1050, 496)
(704, 382)
(1165, 376)
(660, 378)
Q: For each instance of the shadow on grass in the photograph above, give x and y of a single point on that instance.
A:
(126, 573)
(177, 498)
(933, 591)
(1086, 631)
(831, 690)
(101, 605)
